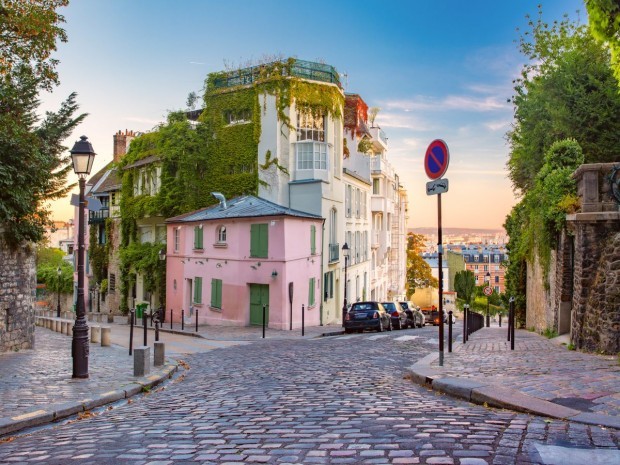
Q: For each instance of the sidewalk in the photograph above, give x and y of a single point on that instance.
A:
(36, 387)
(540, 376)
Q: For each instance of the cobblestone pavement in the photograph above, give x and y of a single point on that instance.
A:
(539, 367)
(327, 400)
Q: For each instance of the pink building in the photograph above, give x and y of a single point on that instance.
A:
(229, 260)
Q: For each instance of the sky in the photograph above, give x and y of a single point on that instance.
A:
(439, 69)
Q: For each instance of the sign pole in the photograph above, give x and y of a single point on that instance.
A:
(440, 248)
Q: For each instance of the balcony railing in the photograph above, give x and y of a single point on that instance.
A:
(98, 216)
(293, 67)
(334, 253)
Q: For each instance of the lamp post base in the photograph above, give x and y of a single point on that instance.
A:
(80, 349)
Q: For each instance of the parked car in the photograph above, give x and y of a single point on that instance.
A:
(367, 315)
(428, 314)
(437, 319)
(399, 317)
(415, 318)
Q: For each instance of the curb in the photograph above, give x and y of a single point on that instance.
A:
(57, 412)
(483, 392)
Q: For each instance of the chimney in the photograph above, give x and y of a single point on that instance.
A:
(121, 143)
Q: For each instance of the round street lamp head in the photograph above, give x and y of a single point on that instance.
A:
(83, 156)
(346, 250)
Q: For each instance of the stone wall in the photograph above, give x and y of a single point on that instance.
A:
(17, 297)
(539, 314)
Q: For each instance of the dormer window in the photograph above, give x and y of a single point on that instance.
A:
(310, 127)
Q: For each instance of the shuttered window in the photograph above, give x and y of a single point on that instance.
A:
(313, 239)
(197, 290)
(311, 301)
(198, 237)
(216, 293)
(259, 241)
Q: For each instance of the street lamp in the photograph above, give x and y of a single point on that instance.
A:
(58, 273)
(345, 253)
(488, 297)
(83, 156)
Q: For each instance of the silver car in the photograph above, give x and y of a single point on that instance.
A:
(414, 314)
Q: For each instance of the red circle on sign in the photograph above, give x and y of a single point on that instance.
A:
(436, 159)
(487, 291)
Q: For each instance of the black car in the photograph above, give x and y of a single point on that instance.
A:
(399, 317)
(367, 315)
(415, 318)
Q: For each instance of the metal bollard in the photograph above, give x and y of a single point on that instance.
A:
(450, 331)
(182, 319)
(512, 323)
(264, 309)
(132, 320)
(303, 318)
(196, 320)
(156, 330)
(170, 318)
(145, 329)
(500, 319)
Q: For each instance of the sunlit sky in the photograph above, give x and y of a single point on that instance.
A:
(437, 69)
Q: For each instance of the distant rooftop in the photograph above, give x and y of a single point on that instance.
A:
(292, 67)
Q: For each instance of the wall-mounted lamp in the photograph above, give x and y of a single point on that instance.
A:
(219, 265)
(274, 274)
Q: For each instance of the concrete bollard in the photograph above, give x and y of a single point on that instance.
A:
(99, 317)
(63, 327)
(110, 318)
(141, 361)
(70, 328)
(57, 325)
(95, 334)
(48, 323)
(106, 333)
(159, 353)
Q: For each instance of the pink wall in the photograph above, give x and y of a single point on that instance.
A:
(289, 255)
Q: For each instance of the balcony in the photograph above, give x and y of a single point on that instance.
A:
(381, 204)
(334, 253)
(379, 139)
(374, 238)
(379, 165)
(312, 160)
(95, 217)
(291, 67)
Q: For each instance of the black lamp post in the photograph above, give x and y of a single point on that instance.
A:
(345, 254)
(488, 297)
(83, 156)
(58, 273)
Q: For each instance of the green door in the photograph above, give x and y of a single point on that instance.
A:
(259, 296)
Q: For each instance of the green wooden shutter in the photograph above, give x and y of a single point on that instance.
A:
(197, 237)
(313, 239)
(311, 293)
(259, 240)
(216, 293)
(197, 290)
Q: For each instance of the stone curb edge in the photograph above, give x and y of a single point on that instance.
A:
(485, 393)
(59, 411)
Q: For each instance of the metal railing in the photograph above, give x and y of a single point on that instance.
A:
(299, 68)
(98, 216)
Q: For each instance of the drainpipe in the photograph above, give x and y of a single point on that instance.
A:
(322, 274)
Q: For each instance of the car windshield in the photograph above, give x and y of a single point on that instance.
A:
(389, 306)
(363, 307)
(405, 305)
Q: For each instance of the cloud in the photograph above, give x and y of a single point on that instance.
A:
(196, 63)
(138, 119)
(500, 125)
(389, 119)
(450, 102)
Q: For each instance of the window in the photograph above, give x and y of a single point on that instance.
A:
(216, 293)
(311, 156)
(221, 234)
(311, 285)
(237, 116)
(376, 187)
(328, 283)
(177, 238)
(364, 214)
(347, 201)
(259, 240)
(358, 247)
(313, 239)
(475, 258)
(496, 279)
(197, 290)
(357, 203)
(112, 283)
(496, 257)
(476, 278)
(310, 127)
(198, 237)
(476, 268)
(497, 289)
(486, 267)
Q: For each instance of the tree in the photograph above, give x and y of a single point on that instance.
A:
(465, 285)
(33, 164)
(419, 273)
(604, 16)
(566, 90)
(49, 260)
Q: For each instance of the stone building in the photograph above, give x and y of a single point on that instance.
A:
(582, 294)
(17, 297)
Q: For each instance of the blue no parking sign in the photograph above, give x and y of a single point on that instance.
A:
(436, 159)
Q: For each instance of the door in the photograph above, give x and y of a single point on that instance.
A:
(259, 296)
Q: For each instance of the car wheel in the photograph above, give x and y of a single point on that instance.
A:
(389, 328)
(348, 331)
(380, 329)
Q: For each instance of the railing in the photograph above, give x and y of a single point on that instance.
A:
(334, 253)
(98, 216)
(299, 68)
(379, 164)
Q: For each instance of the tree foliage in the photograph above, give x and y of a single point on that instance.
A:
(565, 90)
(465, 285)
(33, 164)
(49, 260)
(419, 273)
(604, 16)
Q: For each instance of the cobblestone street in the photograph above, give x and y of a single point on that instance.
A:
(326, 400)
